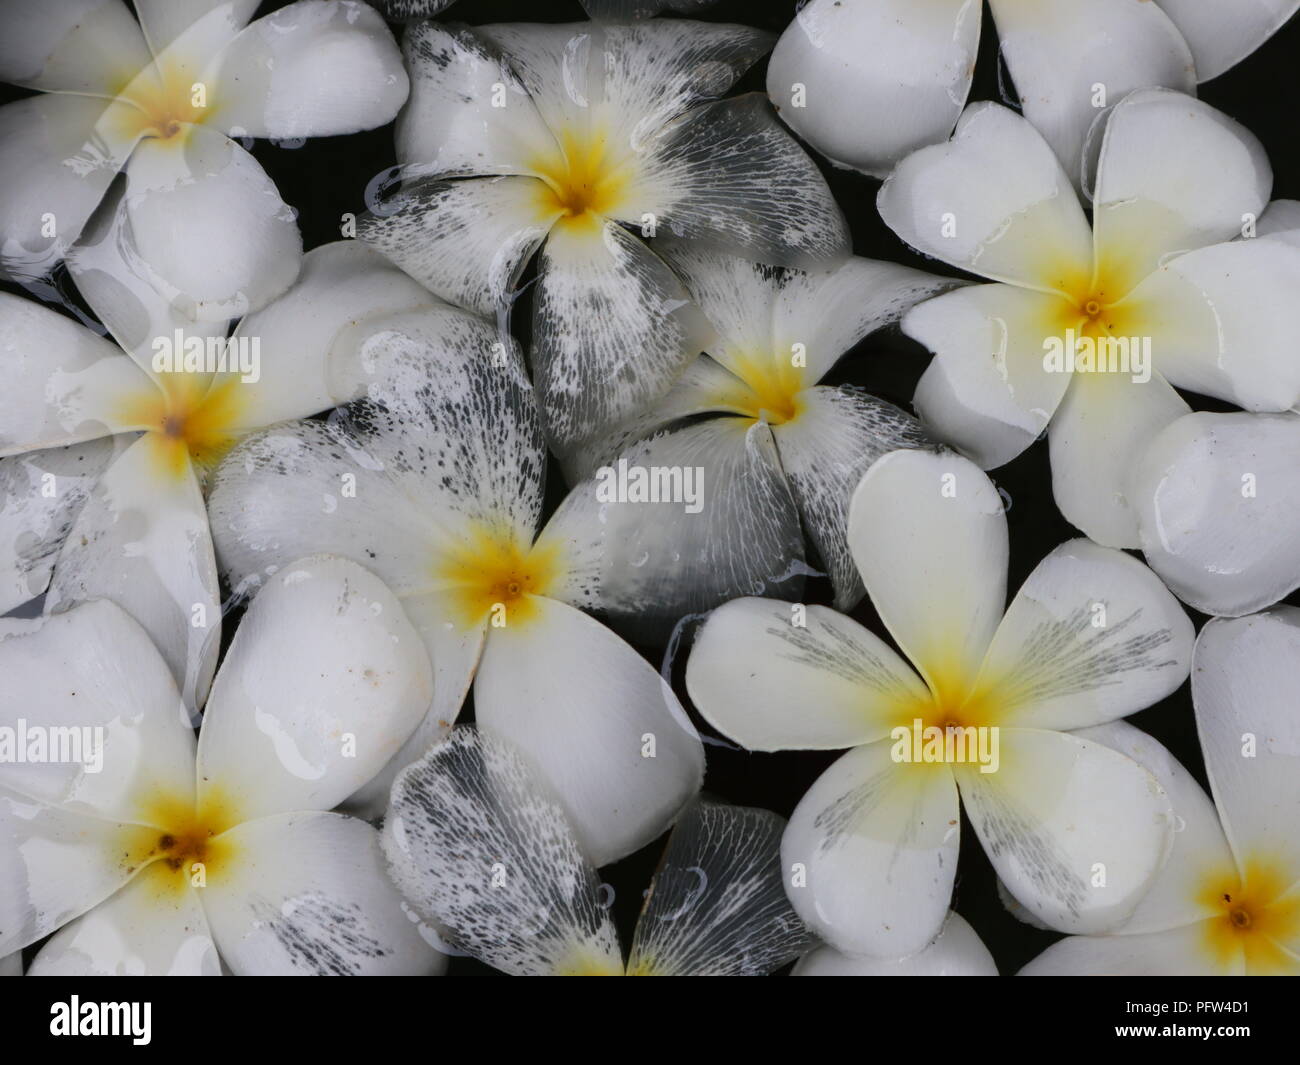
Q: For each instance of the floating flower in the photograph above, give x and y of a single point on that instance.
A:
(774, 449)
(956, 951)
(108, 444)
(478, 846)
(1091, 331)
(582, 140)
(161, 100)
(1228, 901)
(866, 82)
(1218, 506)
(169, 858)
(435, 483)
(1076, 831)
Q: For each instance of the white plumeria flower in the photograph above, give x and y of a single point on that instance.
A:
(866, 82)
(1076, 831)
(480, 848)
(107, 445)
(777, 453)
(1228, 901)
(1218, 505)
(171, 857)
(160, 100)
(582, 140)
(436, 484)
(956, 951)
(1157, 291)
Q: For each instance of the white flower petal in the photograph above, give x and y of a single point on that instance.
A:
(1218, 504)
(1220, 38)
(628, 80)
(717, 904)
(879, 80)
(63, 384)
(871, 851)
(1058, 54)
(467, 241)
(88, 46)
(165, 20)
(1200, 848)
(481, 847)
(705, 387)
(726, 526)
(454, 654)
(928, 533)
(1076, 831)
(142, 540)
(995, 201)
(956, 951)
(146, 929)
(93, 671)
(729, 175)
(210, 225)
(309, 340)
(41, 494)
(825, 449)
(54, 866)
(310, 70)
(1176, 952)
(58, 156)
(323, 683)
(450, 125)
(278, 497)
(1091, 636)
(612, 329)
(12, 964)
(772, 684)
(1104, 424)
(829, 311)
(1243, 687)
(1155, 195)
(597, 722)
(1222, 322)
(987, 392)
(305, 894)
(121, 289)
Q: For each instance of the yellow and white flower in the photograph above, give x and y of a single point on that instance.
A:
(482, 849)
(175, 857)
(1218, 506)
(1092, 329)
(867, 81)
(1076, 831)
(583, 141)
(160, 99)
(1228, 902)
(779, 454)
(435, 482)
(106, 446)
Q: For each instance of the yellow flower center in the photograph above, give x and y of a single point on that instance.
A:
(189, 417)
(163, 101)
(584, 181)
(183, 844)
(492, 577)
(949, 727)
(1254, 914)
